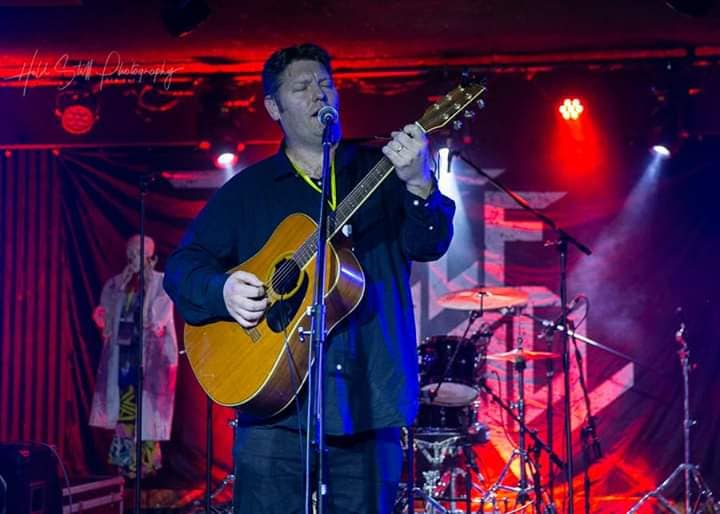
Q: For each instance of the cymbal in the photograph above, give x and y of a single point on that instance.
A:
(520, 354)
(485, 298)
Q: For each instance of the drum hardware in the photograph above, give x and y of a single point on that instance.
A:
(439, 484)
(445, 387)
(449, 366)
(588, 433)
(483, 299)
(439, 452)
(704, 501)
(520, 357)
(433, 390)
(206, 506)
(477, 301)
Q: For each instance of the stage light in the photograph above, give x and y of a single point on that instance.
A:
(77, 109)
(77, 119)
(662, 151)
(667, 128)
(571, 109)
(226, 154)
(226, 160)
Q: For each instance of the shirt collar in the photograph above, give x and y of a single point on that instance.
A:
(283, 169)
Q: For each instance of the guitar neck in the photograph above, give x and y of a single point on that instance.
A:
(436, 116)
(349, 206)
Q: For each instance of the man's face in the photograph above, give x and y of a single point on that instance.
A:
(305, 87)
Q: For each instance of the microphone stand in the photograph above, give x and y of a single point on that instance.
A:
(208, 453)
(549, 417)
(144, 185)
(563, 239)
(317, 401)
(590, 441)
(555, 325)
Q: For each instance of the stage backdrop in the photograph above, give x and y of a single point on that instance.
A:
(652, 227)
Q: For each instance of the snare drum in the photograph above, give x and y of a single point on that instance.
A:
(459, 384)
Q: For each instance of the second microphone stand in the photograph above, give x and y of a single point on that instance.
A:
(704, 501)
(563, 239)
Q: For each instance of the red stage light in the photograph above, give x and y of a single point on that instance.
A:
(77, 119)
(571, 109)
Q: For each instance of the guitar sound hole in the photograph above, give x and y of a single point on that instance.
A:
(291, 285)
(285, 277)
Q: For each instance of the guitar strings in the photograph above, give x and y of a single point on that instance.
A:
(285, 269)
(367, 180)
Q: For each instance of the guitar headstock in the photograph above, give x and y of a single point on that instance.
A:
(449, 106)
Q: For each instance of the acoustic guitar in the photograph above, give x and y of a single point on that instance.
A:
(262, 369)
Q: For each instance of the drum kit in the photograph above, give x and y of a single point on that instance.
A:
(443, 472)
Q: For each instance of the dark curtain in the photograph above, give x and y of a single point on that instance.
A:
(66, 217)
(38, 366)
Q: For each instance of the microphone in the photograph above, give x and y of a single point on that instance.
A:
(574, 304)
(550, 326)
(327, 115)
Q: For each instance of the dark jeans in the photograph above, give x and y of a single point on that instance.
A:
(364, 472)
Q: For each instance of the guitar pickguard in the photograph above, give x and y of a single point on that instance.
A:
(281, 312)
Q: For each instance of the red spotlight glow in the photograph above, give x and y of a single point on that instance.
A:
(77, 119)
(571, 109)
(579, 153)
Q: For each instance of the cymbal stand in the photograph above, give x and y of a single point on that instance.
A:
(704, 500)
(523, 489)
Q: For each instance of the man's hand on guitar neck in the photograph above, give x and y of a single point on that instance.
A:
(408, 151)
(245, 298)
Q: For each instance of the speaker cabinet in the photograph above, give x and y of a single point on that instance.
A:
(30, 472)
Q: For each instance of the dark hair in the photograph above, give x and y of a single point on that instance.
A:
(281, 59)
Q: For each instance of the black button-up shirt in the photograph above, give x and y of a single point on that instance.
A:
(371, 363)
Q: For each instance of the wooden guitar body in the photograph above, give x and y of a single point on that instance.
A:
(263, 368)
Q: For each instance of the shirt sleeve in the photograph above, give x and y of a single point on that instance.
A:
(427, 227)
(195, 273)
